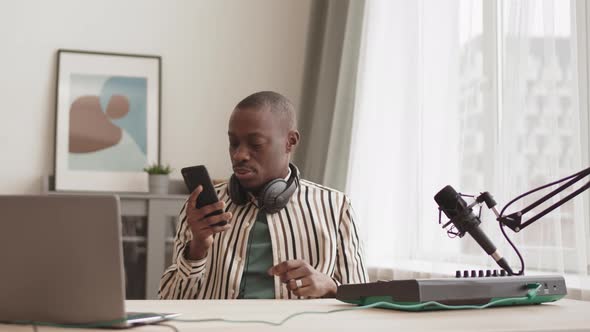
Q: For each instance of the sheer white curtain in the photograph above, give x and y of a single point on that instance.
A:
(481, 95)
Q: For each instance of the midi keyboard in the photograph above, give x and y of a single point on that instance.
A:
(455, 293)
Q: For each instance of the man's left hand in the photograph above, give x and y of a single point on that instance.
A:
(303, 280)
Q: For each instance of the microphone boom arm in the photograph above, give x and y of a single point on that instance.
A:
(514, 220)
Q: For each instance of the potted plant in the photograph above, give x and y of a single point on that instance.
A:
(158, 178)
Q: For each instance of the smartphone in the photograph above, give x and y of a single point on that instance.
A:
(197, 175)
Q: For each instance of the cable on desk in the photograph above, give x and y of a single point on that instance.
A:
(174, 328)
(531, 294)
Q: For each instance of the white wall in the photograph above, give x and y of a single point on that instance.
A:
(214, 53)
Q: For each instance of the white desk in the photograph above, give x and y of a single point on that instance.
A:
(563, 315)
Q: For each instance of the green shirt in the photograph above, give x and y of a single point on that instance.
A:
(256, 283)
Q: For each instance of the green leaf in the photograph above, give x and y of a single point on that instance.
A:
(156, 168)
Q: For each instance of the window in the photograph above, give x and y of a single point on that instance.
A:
(482, 95)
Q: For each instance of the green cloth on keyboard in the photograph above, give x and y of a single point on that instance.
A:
(256, 283)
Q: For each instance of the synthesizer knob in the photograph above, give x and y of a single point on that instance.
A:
(473, 275)
(503, 273)
(458, 274)
(480, 273)
(488, 273)
(495, 273)
(465, 274)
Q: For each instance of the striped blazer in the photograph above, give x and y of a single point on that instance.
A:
(317, 226)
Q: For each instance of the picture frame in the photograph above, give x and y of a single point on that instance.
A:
(107, 125)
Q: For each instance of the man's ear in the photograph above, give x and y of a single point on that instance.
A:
(292, 140)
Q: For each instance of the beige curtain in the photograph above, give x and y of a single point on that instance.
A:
(326, 112)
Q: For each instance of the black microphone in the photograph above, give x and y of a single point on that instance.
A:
(461, 215)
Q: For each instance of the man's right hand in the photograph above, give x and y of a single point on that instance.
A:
(201, 226)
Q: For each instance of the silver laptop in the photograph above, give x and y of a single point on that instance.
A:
(61, 261)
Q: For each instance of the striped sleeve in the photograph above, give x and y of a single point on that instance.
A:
(183, 278)
(350, 264)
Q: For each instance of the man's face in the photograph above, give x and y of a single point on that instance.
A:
(259, 147)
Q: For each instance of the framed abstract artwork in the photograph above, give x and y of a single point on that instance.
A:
(107, 120)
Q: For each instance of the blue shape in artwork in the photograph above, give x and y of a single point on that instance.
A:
(135, 122)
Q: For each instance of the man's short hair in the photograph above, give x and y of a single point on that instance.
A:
(276, 102)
